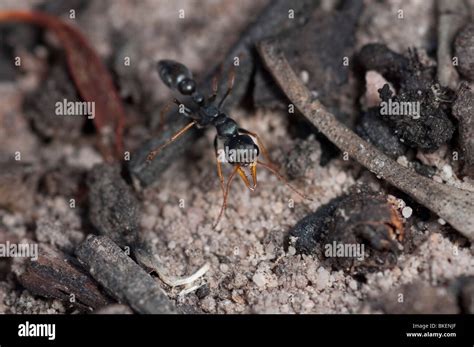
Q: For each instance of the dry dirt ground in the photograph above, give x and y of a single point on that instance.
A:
(251, 270)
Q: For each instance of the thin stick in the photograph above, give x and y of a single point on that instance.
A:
(454, 205)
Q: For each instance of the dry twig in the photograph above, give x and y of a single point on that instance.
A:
(454, 205)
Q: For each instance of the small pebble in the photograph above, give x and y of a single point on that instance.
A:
(441, 221)
(402, 160)
(259, 279)
(407, 212)
(341, 177)
(322, 279)
(304, 75)
(447, 172)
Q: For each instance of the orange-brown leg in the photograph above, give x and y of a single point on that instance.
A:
(219, 167)
(281, 178)
(226, 193)
(244, 178)
(154, 152)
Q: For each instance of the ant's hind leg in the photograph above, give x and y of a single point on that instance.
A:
(219, 167)
(226, 194)
(154, 152)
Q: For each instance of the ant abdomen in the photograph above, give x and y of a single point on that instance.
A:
(177, 76)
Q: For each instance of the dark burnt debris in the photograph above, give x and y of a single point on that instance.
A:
(463, 110)
(431, 126)
(57, 275)
(371, 127)
(39, 109)
(363, 220)
(334, 37)
(113, 208)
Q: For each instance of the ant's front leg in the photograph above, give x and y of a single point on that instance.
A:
(215, 88)
(186, 111)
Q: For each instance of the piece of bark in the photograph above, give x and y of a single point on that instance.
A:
(333, 33)
(113, 208)
(124, 279)
(463, 110)
(451, 16)
(57, 275)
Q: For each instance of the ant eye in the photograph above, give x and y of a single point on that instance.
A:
(187, 86)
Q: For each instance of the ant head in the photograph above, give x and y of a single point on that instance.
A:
(241, 150)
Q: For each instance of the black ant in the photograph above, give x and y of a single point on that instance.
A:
(236, 140)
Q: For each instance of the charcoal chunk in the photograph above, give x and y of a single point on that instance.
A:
(372, 128)
(419, 112)
(361, 221)
(113, 208)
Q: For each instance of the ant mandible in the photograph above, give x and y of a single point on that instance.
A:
(236, 140)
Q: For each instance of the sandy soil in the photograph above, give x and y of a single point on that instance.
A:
(251, 269)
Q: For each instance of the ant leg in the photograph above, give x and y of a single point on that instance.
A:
(215, 86)
(165, 110)
(219, 167)
(230, 85)
(154, 152)
(260, 144)
(245, 179)
(226, 194)
(281, 178)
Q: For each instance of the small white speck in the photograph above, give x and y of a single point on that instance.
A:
(304, 75)
(407, 212)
